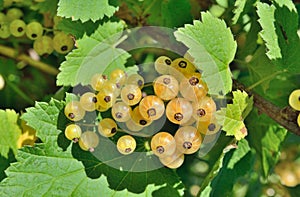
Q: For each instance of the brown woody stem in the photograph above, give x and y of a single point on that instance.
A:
(11, 53)
(286, 117)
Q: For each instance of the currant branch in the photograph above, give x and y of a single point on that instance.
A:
(12, 53)
(286, 117)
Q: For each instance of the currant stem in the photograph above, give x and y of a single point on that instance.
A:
(284, 117)
(265, 79)
(19, 92)
(11, 53)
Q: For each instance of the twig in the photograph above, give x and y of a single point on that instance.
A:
(286, 117)
(265, 79)
(11, 53)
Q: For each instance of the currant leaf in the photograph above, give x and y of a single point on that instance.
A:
(279, 23)
(95, 54)
(242, 149)
(47, 170)
(267, 138)
(232, 117)
(239, 7)
(212, 45)
(266, 19)
(9, 132)
(82, 9)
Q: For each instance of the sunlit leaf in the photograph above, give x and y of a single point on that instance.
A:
(95, 54)
(266, 136)
(85, 10)
(233, 115)
(239, 7)
(9, 131)
(211, 43)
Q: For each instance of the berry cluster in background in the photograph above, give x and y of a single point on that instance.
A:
(45, 40)
(178, 94)
(294, 102)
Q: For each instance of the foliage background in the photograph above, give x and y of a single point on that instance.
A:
(261, 48)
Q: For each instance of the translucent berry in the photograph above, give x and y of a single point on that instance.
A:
(98, 81)
(294, 99)
(152, 107)
(183, 65)
(14, 13)
(135, 79)
(121, 112)
(63, 43)
(73, 132)
(74, 111)
(179, 110)
(43, 45)
(162, 64)
(173, 161)
(88, 101)
(192, 87)
(163, 144)
(191, 121)
(34, 30)
(17, 28)
(133, 126)
(131, 94)
(204, 109)
(105, 99)
(88, 141)
(111, 87)
(188, 139)
(166, 87)
(138, 118)
(126, 144)
(209, 127)
(107, 127)
(118, 76)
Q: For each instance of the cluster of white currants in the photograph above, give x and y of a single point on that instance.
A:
(179, 93)
(12, 23)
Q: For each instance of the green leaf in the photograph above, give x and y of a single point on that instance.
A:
(47, 6)
(279, 24)
(233, 115)
(211, 43)
(286, 24)
(286, 3)
(85, 10)
(227, 169)
(215, 159)
(9, 131)
(165, 13)
(242, 149)
(260, 68)
(271, 144)
(137, 170)
(38, 173)
(95, 54)
(43, 118)
(239, 7)
(226, 178)
(5, 163)
(266, 15)
(77, 28)
(266, 136)
(46, 169)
